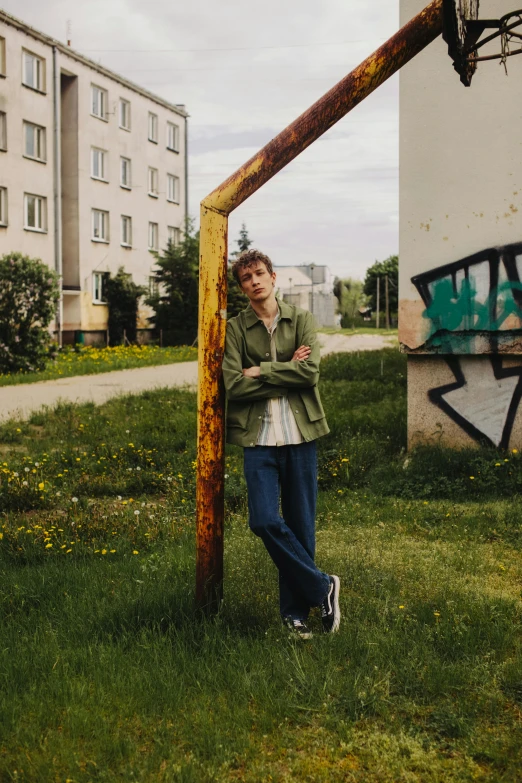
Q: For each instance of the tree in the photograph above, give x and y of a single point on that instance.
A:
(122, 295)
(244, 240)
(237, 300)
(350, 295)
(390, 267)
(176, 301)
(29, 294)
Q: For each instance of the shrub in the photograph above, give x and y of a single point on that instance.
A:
(29, 294)
(122, 296)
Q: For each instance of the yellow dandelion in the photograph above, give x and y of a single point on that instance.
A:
(401, 606)
(472, 478)
(135, 552)
(48, 546)
(104, 551)
(41, 485)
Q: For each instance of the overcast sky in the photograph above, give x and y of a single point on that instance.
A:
(245, 70)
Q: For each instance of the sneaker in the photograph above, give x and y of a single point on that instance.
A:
(297, 628)
(330, 611)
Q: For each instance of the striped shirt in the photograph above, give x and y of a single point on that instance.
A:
(278, 427)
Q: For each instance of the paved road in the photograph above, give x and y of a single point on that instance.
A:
(20, 401)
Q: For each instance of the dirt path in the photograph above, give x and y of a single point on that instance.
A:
(20, 401)
(341, 343)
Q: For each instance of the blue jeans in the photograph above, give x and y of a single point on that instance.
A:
(289, 473)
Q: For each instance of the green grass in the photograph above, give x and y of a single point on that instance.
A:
(88, 360)
(107, 674)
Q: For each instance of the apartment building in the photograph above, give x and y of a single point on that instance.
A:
(93, 172)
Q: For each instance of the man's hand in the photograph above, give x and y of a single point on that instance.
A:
(252, 372)
(303, 352)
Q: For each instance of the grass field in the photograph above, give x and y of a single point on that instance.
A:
(87, 360)
(107, 673)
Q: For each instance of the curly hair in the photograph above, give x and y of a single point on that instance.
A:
(247, 259)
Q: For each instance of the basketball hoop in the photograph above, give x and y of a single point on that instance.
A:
(463, 30)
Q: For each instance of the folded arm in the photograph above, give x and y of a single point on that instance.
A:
(239, 386)
(296, 373)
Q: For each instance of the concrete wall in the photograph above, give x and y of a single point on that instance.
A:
(461, 244)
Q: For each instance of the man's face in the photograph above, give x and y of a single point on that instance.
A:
(256, 282)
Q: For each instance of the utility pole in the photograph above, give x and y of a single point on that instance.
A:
(378, 299)
(312, 267)
(387, 302)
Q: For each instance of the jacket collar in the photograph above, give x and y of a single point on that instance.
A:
(252, 318)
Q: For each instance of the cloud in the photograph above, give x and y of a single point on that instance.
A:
(244, 72)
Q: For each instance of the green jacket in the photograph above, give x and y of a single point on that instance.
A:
(248, 345)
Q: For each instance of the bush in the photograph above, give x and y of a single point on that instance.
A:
(29, 294)
(122, 296)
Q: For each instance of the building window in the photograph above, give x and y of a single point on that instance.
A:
(34, 142)
(98, 287)
(153, 127)
(99, 164)
(33, 71)
(153, 236)
(153, 286)
(100, 225)
(125, 173)
(2, 56)
(172, 137)
(126, 231)
(125, 114)
(35, 212)
(153, 182)
(99, 102)
(3, 206)
(174, 236)
(173, 188)
(3, 131)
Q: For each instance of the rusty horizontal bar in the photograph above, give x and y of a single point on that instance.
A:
(335, 104)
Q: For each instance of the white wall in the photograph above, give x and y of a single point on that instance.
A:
(461, 197)
(460, 167)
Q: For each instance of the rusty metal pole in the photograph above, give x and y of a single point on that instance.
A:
(211, 407)
(215, 208)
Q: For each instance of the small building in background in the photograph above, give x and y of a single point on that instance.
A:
(92, 173)
(309, 286)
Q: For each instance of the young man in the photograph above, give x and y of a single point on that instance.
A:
(271, 369)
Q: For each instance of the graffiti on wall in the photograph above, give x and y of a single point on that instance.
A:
(483, 399)
(474, 305)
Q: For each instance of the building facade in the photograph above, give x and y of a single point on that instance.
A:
(93, 173)
(309, 286)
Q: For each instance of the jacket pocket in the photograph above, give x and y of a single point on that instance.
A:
(313, 405)
(237, 414)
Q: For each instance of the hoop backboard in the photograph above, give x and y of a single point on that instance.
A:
(457, 14)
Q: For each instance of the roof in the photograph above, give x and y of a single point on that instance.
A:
(46, 39)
